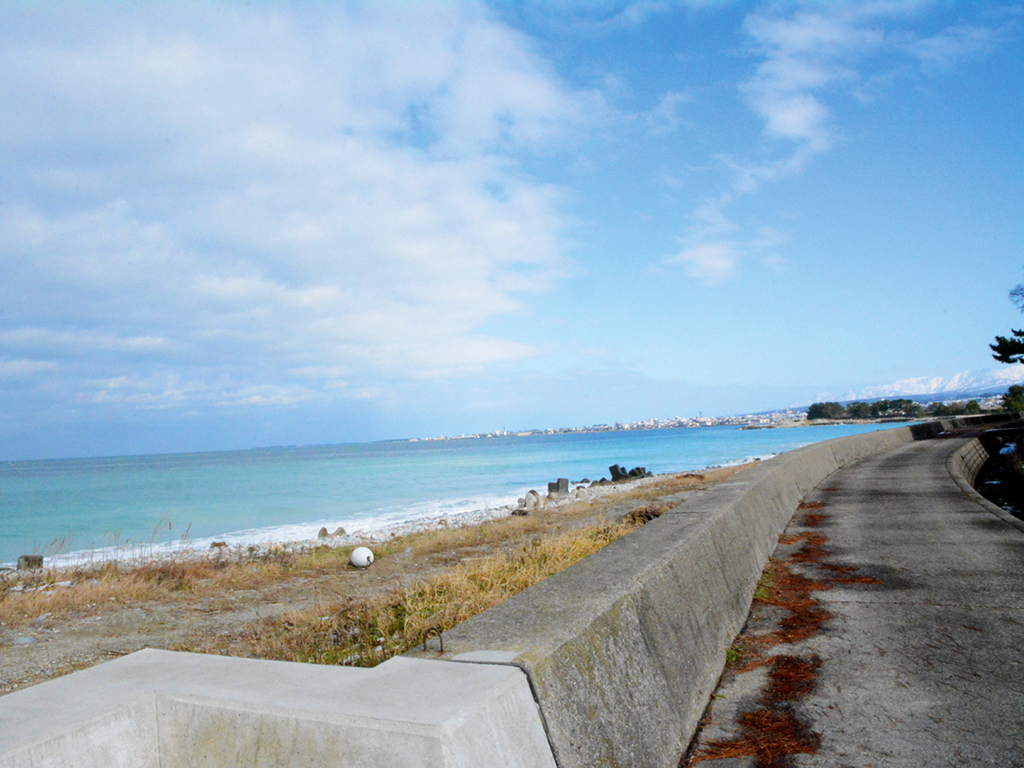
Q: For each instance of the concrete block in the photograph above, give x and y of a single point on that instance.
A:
(191, 710)
(118, 736)
(30, 562)
(559, 489)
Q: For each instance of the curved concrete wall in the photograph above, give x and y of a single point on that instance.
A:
(964, 464)
(624, 649)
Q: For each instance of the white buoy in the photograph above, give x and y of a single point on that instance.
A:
(361, 557)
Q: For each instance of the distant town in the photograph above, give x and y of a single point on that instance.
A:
(790, 417)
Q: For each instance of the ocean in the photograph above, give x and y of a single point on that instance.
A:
(91, 509)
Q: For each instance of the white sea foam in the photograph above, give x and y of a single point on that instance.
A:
(749, 459)
(369, 528)
(433, 515)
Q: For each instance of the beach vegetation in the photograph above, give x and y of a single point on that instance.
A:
(25, 595)
(488, 564)
(91, 588)
(306, 602)
(367, 632)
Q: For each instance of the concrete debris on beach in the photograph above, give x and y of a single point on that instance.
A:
(559, 494)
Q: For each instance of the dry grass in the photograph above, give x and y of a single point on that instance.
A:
(664, 485)
(92, 588)
(88, 589)
(368, 632)
(483, 535)
(521, 552)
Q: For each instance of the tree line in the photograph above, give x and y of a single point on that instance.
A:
(1007, 349)
(883, 409)
(1011, 350)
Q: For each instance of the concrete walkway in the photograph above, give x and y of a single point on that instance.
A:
(925, 665)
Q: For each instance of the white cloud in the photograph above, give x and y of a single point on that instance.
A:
(714, 259)
(811, 55)
(598, 18)
(952, 45)
(805, 53)
(20, 369)
(70, 342)
(827, 34)
(249, 195)
(795, 116)
(664, 118)
(710, 262)
(161, 391)
(816, 52)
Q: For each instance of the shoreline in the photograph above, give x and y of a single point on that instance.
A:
(91, 518)
(134, 555)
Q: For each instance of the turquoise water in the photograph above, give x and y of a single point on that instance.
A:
(148, 503)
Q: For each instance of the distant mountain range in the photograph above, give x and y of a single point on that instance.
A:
(962, 385)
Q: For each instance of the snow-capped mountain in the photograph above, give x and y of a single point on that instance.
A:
(963, 384)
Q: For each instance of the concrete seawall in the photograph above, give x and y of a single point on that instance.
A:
(608, 663)
(624, 649)
(965, 463)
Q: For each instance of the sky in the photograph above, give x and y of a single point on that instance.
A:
(239, 224)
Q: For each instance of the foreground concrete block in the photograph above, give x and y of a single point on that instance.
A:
(117, 736)
(158, 708)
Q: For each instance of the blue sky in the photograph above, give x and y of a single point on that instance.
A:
(244, 224)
